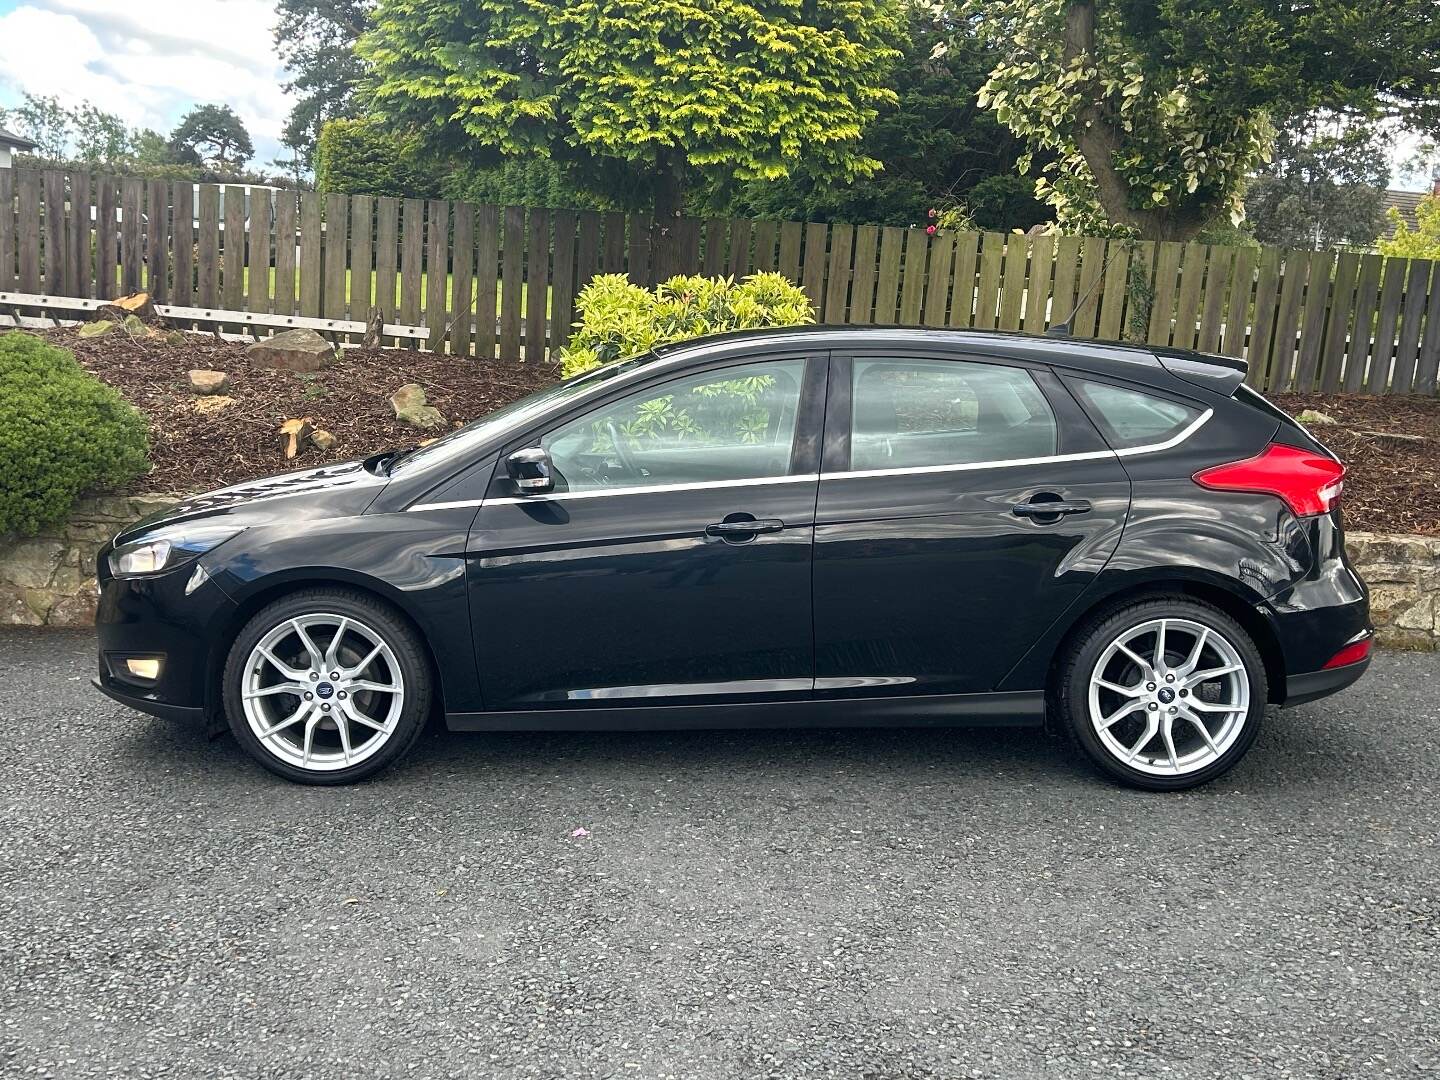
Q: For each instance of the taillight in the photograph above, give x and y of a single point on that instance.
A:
(1351, 654)
(1309, 482)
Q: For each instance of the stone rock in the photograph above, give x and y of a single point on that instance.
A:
(96, 329)
(14, 611)
(77, 609)
(31, 563)
(205, 381)
(293, 350)
(175, 337)
(321, 439)
(1315, 416)
(135, 326)
(212, 404)
(410, 407)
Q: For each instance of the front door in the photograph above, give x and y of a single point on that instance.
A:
(671, 565)
(936, 562)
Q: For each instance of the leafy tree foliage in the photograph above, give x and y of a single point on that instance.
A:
(1421, 242)
(1157, 111)
(939, 148)
(1325, 185)
(358, 157)
(316, 41)
(746, 89)
(214, 136)
(47, 124)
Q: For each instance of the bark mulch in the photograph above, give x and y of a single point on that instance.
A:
(1393, 484)
(195, 451)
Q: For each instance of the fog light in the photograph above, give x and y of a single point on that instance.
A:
(144, 669)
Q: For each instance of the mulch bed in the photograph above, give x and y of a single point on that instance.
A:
(195, 451)
(1393, 485)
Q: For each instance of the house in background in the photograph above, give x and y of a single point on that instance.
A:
(1405, 202)
(11, 144)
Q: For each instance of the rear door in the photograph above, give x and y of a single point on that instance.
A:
(965, 503)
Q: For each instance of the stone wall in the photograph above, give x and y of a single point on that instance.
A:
(49, 580)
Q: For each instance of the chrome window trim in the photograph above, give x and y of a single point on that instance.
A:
(919, 470)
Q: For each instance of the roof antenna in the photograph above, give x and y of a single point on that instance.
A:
(1062, 328)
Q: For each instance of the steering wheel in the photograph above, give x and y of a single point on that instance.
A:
(621, 450)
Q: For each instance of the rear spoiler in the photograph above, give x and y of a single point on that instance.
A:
(1220, 374)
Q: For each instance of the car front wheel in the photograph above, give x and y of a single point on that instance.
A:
(1164, 694)
(327, 686)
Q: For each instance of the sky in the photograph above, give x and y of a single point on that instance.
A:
(151, 60)
(148, 61)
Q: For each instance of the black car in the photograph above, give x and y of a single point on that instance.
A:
(817, 526)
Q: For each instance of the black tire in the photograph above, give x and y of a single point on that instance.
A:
(1090, 644)
(404, 644)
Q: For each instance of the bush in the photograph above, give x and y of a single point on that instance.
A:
(619, 319)
(359, 157)
(62, 432)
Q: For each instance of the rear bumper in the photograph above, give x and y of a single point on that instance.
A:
(1318, 684)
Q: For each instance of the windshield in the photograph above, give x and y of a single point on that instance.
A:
(514, 415)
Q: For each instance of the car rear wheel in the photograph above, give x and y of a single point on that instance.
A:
(1164, 693)
(326, 686)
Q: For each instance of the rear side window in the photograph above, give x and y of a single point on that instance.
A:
(914, 413)
(1131, 418)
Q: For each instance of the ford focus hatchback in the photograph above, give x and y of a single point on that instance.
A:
(812, 527)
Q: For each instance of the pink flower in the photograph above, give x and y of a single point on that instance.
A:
(930, 229)
(934, 213)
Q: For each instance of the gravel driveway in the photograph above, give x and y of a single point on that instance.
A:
(754, 904)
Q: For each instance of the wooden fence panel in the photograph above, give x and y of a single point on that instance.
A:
(462, 279)
(887, 283)
(1012, 283)
(812, 273)
(862, 285)
(512, 256)
(182, 242)
(1162, 303)
(1110, 323)
(1237, 317)
(336, 242)
(1428, 367)
(638, 254)
(1267, 288)
(1367, 307)
(1278, 364)
(412, 261)
(157, 228)
(1067, 272)
(615, 244)
(29, 231)
(1337, 326)
(1037, 289)
(1382, 351)
(7, 230)
(837, 285)
(962, 293)
(362, 257)
(207, 248)
(791, 233)
(387, 257)
(232, 251)
(487, 278)
(587, 249)
(562, 287)
(1217, 285)
(312, 239)
(287, 248)
(765, 233)
(937, 289)
(912, 278)
(1092, 269)
(78, 274)
(257, 278)
(132, 251)
(1187, 296)
(737, 259)
(987, 303)
(1412, 315)
(1312, 326)
(537, 284)
(53, 232)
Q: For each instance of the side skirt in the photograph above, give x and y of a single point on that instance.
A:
(1018, 709)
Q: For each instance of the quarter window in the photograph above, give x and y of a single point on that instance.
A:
(736, 423)
(917, 413)
(1130, 418)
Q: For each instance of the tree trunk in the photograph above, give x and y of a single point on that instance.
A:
(1099, 141)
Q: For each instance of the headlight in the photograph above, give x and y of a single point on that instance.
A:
(168, 547)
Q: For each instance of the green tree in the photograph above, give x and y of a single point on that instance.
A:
(47, 124)
(1158, 110)
(101, 138)
(316, 42)
(212, 135)
(1324, 187)
(669, 86)
(1421, 242)
(938, 148)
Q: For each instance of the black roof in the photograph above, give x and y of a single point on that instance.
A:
(17, 141)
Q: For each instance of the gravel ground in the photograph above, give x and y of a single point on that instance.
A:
(846, 904)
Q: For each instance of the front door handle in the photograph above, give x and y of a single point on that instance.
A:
(1050, 508)
(740, 531)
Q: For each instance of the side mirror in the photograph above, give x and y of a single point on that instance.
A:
(531, 470)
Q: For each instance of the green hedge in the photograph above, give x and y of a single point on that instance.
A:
(62, 433)
(359, 157)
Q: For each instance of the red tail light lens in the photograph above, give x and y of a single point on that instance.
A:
(1308, 481)
(1351, 654)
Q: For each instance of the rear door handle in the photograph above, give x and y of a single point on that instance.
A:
(1055, 508)
(744, 530)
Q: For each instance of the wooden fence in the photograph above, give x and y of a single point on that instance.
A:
(1304, 320)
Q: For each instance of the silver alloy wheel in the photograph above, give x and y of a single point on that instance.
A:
(1169, 696)
(322, 692)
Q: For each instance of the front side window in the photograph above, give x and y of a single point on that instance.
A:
(735, 423)
(919, 413)
(1130, 418)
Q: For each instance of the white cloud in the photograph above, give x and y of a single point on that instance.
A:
(150, 60)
